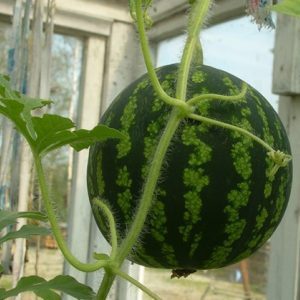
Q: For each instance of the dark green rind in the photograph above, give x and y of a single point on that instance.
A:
(195, 234)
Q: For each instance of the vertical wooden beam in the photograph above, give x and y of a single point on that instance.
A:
(287, 55)
(284, 266)
(124, 61)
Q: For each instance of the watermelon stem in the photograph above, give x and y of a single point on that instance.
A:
(149, 65)
(279, 158)
(196, 20)
(209, 97)
(137, 284)
(112, 225)
(144, 205)
(149, 187)
(231, 127)
(85, 267)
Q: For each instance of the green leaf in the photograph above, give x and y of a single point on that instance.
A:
(289, 7)
(18, 108)
(54, 132)
(1, 269)
(85, 138)
(5, 90)
(70, 286)
(47, 295)
(25, 284)
(43, 288)
(10, 217)
(48, 132)
(24, 232)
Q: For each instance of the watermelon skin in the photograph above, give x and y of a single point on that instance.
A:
(215, 203)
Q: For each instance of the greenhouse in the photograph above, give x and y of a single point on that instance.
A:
(150, 149)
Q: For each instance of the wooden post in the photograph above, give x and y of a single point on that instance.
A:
(244, 267)
(285, 244)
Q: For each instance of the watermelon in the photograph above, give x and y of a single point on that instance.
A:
(216, 201)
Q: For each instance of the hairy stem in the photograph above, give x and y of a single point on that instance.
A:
(112, 225)
(137, 284)
(150, 184)
(231, 127)
(198, 13)
(85, 267)
(209, 97)
(106, 284)
(148, 61)
(144, 204)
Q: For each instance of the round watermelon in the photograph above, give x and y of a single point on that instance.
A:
(216, 201)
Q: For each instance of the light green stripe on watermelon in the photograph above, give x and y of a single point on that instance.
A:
(267, 136)
(238, 197)
(128, 120)
(158, 220)
(195, 244)
(145, 258)
(158, 227)
(254, 243)
(100, 180)
(169, 253)
(194, 179)
(260, 219)
(198, 76)
(202, 107)
(233, 89)
(281, 199)
(109, 118)
(279, 210)
(157, 104)
(152, 138)
(278, 130)
(260, 222)
(124, 199)
(242, 158)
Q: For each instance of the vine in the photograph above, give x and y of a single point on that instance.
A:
(43, 137)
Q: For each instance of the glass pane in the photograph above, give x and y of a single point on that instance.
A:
(240, 48)
(66, 67)
(65, 85)
(4, 46)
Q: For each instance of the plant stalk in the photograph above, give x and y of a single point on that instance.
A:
(112, 226)
(137, 284)
(106, 284)
(196, 20)
(144, 203)
(148, 61)
(209, 97)
(232, 127)
(150, 185)
(85, 267)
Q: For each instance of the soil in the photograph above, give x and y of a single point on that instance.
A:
(197, 286)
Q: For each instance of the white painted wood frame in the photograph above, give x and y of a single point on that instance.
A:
(284, 267)
(107, 69)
